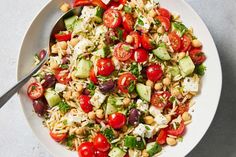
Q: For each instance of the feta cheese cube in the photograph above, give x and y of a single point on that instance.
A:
(97, 99)
(142, 106)
(144, 130)
(60, 87)
(142, 24)
(191, 84)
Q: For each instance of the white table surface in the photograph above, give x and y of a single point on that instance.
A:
(16, 138)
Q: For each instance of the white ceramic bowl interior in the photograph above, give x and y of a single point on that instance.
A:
(37, 36)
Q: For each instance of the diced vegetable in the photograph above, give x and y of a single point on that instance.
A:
(134, 142)
(104, 52)
(153, 148)
(69, 23)
(116, 152)
(162, 53)
(186, 66)
(52, 97)
(144, 91)
(84, 67)
(179, 28)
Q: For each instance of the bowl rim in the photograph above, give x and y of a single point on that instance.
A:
(192, 10)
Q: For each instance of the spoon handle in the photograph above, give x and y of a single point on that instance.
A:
(5, 97)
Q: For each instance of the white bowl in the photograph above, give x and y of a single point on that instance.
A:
(206, 103)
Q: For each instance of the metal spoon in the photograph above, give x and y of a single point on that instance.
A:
(59, 26)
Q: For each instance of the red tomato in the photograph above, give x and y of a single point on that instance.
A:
(86, 149)
(113, 5)
(160, 100)
(146, 42)
(117, 120)
(58, 137)
(154, 72)
(63, 37)
(62, 76)
(164, 22)
(92, 76)
(101, 154)
(123, 51)
(197, 56)
(85, 104)
(164, 12)
(136, 39)
(186, 43)
(176, 132)
(105, 66)
(175, 41)
(161, 138)
(182, 108)
(126, 155)
(124, 82)
(140, 55)
(100, 143)
(35, 91)
(128, 22)
(89, 2)
(112, 18)
(122, 1)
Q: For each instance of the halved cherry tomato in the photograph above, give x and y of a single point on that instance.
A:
(161, 138)
(62, 76)
(164, 12)
(140, 55)
(35, 91)
(197, 56)
(89, 2)
(136, 39)
(122, 1)
(124, 82)
(63, 37)
(182, 108)
(154, 72)
(58, 137)
(117, 120)
(128, 22)
(105, 66)
(112, 18)
(100, 143)
(101, 154)
(175, 41)
(86, 149)
(165, 22)
(113, 5)
(85, 104)
(92, 76)
(176, 132)
(186, 43)
(146, 42)
(123, 51)
(160, 100)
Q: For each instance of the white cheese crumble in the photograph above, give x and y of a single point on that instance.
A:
(144, 130)
(159, 118)
(142, 106)
(97, 99)
(60, 87)
(191, 84)
(81, 46)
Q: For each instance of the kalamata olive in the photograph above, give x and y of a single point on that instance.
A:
(42, 54)
(134, 116)
(86, 92)
(50, 81)
(111, 37)
(107, 86)
(40, 106)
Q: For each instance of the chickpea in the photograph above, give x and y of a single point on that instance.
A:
(100, 113)
(181, 55)
(144, 153)
(65, 7)
(92, 115)
(152, 13)
(148, 119)
(175, 92)
(79, 88)
(67, 95)
(62, 45)
(132, 4)
(158, 86)
(126, 101)
(80, 131)
(54, 49)
(161, 30)
(74, 42)
(186, 116)
(166, 81)
(150, 83)
(171, 141)
(129, 39)
(196, 43)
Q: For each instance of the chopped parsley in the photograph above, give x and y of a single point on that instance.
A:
(147, 128)
(120, 33)
(91, 87)
(127, 9)
(64, 66)
(126, 48)
(69, 140)
(63, 107)
(140, 22)
(109, 134)
(131, 87)
(65, 122)
(200, 69)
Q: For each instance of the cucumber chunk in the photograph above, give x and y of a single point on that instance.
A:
(186, 66)
(116, 152)
(174, 71)
(110, 109)
(84, 67)
(132, 142)
(98, 14)
(104, 52)
(69, 23)
(162, 53)
(52, 97)
(144, 91)
(153, 148)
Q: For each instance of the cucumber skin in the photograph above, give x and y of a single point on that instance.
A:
(84, 67)
(141, 88)
(116, 152)
(52, 97)
(153, 148)
(186, 66)
(161, 53)
(69, 22)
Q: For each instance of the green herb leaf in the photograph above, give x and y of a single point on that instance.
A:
(200, 69)
(64, 66)
(147, 128)
(140, 22)
(131, 87)
(126, 48)
(91, 87)
(114, 38)
(120, 33)
(109, 134)
(127, 9)
(181, 28)
(69, 140)
(63, 107)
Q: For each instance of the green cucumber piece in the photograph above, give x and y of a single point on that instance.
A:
(104, 52)
(162, 53)
(174, 71)
(84, 67)
(69, 23)
(110, 109)
(98, 14)
(77, 25)
(153, 148)
(52, 97)
(186, 66)
(116, 152)
(132, 142)
(144, 91)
